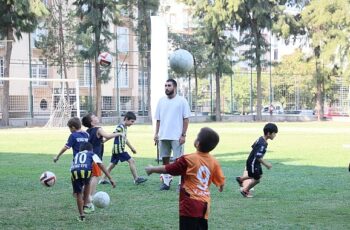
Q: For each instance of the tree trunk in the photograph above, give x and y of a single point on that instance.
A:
(319, 93)
(196, 86)
(98, 99)
(6, 86)
(217, 97)
(257, 37)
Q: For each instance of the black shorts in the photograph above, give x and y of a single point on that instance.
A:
(189, 223)
(79, 184)
(254, 170)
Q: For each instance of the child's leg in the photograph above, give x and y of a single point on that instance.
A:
(80, 203)
(109, 169)
(251, 185)
(133, 169)
(86, 195)
(93, 184)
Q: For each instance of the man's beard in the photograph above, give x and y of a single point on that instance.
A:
(169, 92)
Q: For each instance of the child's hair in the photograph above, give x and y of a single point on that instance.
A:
(129, 116)
(270, 128)
(85, 146)
(172, 81)
(86, 120)
(74, 122)
(207, 139)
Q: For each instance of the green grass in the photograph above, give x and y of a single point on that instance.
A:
(307, 188)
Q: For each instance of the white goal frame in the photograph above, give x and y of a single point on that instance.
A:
(76, 81)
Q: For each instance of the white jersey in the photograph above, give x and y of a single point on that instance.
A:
(170, 113)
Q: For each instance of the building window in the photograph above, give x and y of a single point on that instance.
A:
(107, 103)
(123, 76)
(43, 104)
(36, 35)
(39, 71)
(84, 75)
(125, 103)
(123, 39)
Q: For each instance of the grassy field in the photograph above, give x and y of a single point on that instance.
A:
(307, 188)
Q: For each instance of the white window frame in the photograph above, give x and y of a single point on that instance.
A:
(84, 78)
(39, 71)
(123, 39)
(123, 75)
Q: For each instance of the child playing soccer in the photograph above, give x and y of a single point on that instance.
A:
(197, 170)
(81, 172)
(118, 151)
(76, 137)
(255, 159)
(96, 135)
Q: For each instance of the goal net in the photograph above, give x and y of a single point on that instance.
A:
(43, 100)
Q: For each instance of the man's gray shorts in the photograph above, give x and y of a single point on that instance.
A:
(165, 147)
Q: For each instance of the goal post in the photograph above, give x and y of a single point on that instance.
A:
(49, 96)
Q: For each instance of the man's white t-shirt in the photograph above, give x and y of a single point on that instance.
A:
(170, 113)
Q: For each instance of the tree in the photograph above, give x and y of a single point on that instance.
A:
(145, 8)
(95, 18)
(253, 18)
(16, 17)
(213, 23)
(58, 44)
(327, 24)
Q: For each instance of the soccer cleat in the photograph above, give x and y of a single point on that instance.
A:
(140, 180)
(238, 179)
(246, 194)
(164, 187)
(89, 208)
(81, 218)
(103, 182)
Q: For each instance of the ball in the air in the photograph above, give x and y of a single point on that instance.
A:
(181, 61)
(48, 179)
(101, 199)
(105, 59)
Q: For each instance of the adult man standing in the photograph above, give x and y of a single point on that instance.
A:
(172, 116)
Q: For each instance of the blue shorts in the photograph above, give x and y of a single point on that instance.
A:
(124, 156)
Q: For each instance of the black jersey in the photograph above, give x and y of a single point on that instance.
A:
(97, 142)
(258, 151)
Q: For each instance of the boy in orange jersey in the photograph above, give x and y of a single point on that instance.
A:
(197, 170)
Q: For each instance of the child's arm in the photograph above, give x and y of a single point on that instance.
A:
(103, 168)
(265, 163)
(155, 169)
(130, 146)
(221, 188)
(55, 159)
(108, 136)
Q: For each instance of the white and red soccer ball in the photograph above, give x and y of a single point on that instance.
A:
(48, 179)
(105, 59)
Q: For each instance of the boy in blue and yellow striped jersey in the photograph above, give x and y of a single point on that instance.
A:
(118, 151)
(81, 173)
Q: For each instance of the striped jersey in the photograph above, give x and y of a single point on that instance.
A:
(119, 141)
(82, 164)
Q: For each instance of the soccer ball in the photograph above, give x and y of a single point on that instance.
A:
(181, 61)
(105, 59)
(48, 179)
(101, 199)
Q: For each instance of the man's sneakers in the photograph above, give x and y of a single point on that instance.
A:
(140, 180)
(81, 218)
(238, 179)
(89, 208)
(164, 187)
(246, 194)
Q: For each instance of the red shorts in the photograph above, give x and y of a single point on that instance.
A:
(96, 171)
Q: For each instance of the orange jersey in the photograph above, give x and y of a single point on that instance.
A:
(198, 170)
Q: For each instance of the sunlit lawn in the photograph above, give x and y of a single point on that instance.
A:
(307, 188)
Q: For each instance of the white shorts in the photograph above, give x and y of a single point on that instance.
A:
(165, 147)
